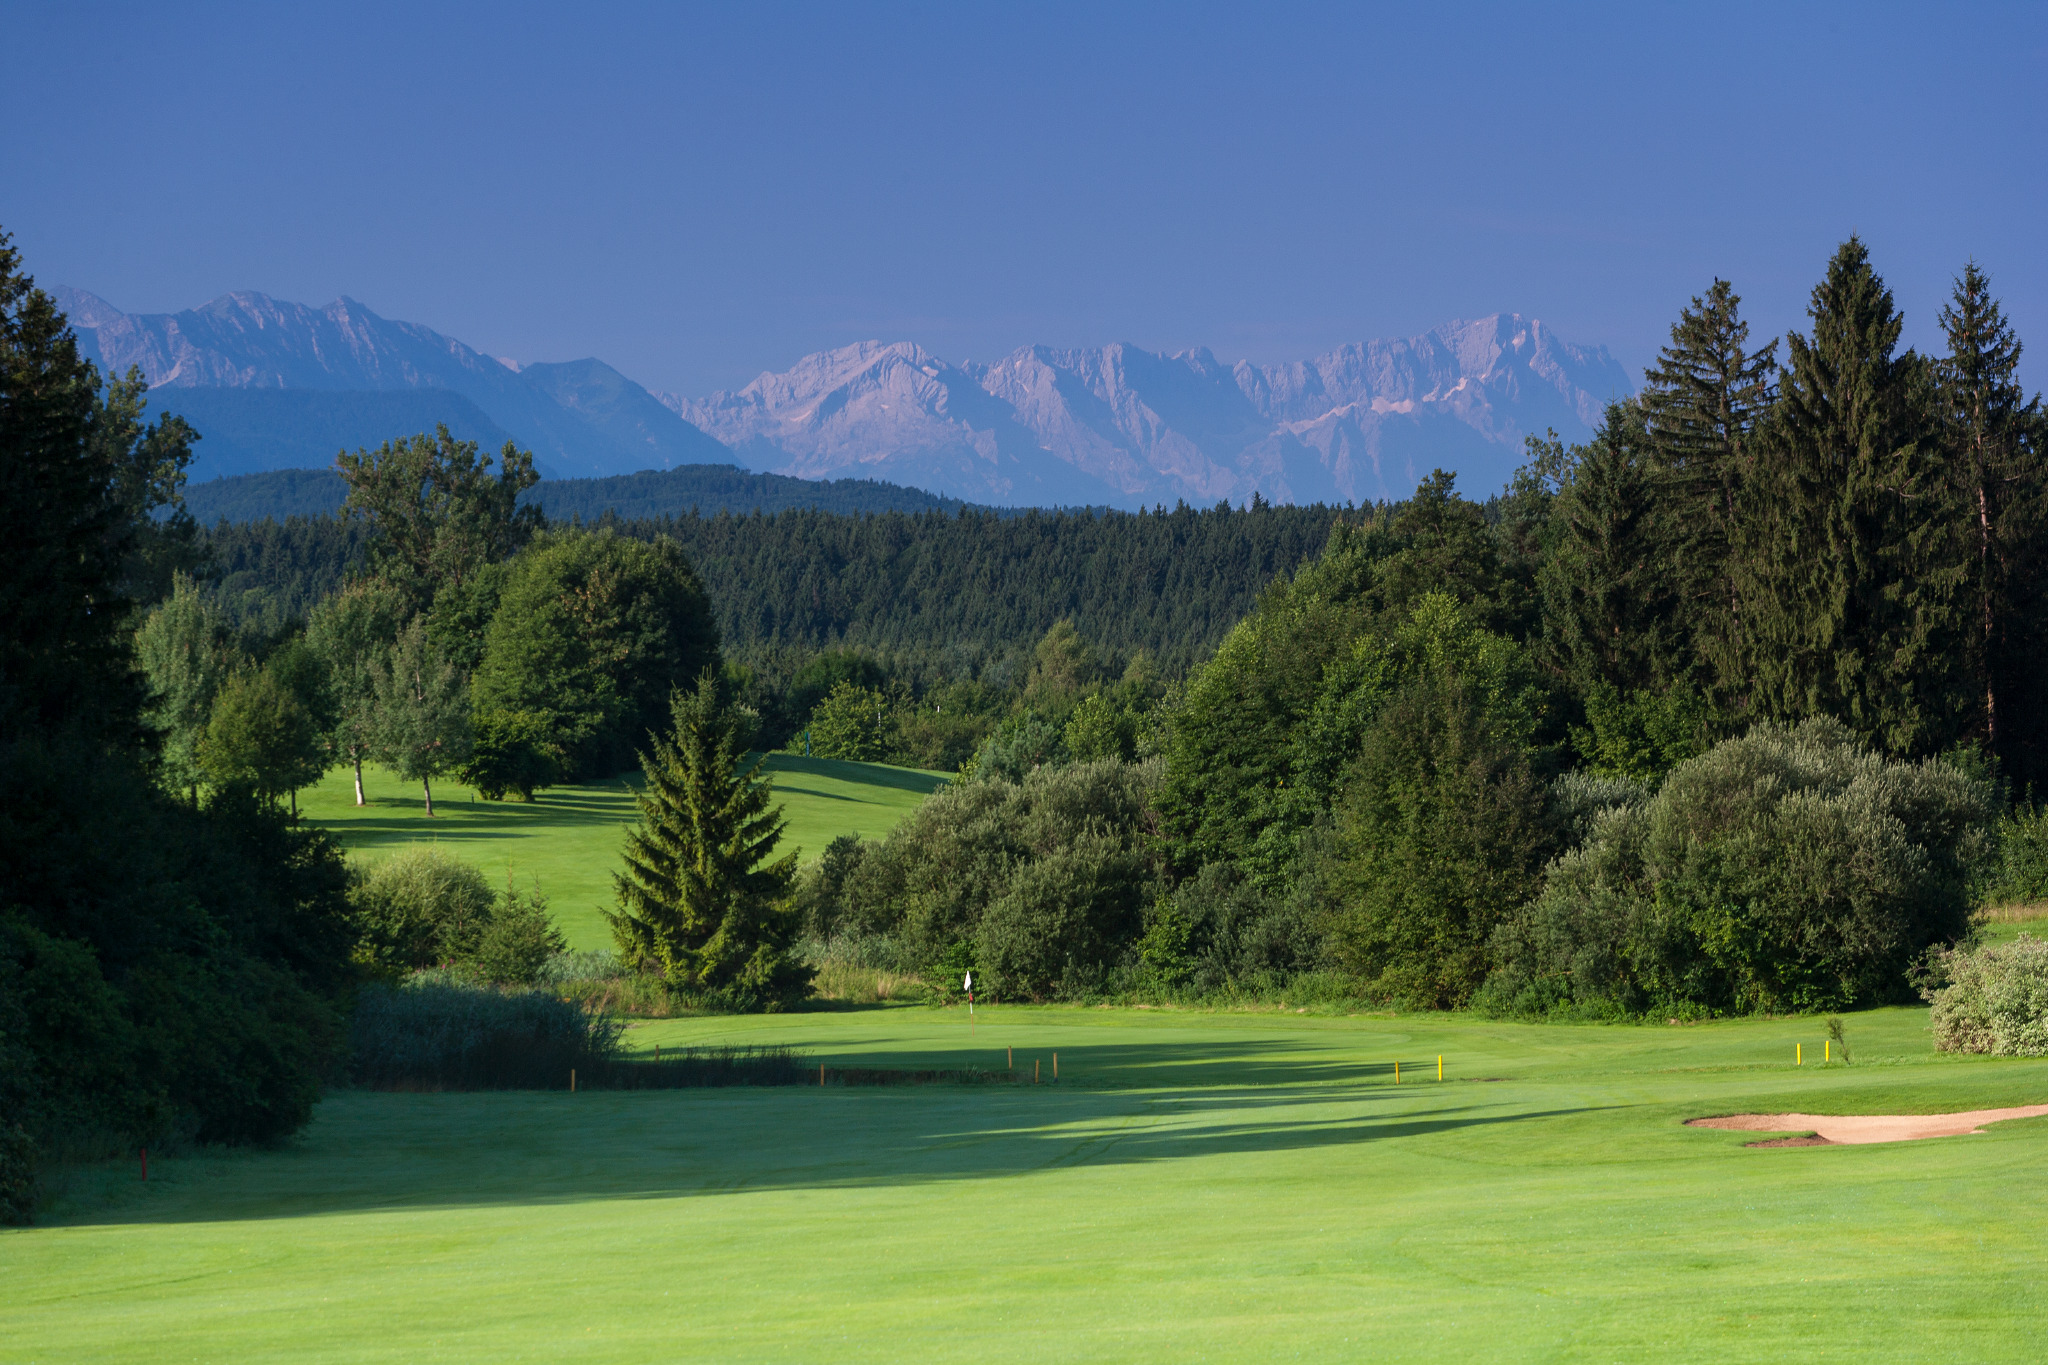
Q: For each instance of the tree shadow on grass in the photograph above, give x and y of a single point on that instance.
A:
(777, 766)
(374, 1152)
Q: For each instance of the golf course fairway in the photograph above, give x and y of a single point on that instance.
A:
(1197, 1186)
(566, 841)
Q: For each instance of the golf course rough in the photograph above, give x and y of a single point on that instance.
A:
(1198, 1186)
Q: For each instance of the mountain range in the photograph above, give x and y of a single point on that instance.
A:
(275, 385)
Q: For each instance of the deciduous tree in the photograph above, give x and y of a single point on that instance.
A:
(423, 727)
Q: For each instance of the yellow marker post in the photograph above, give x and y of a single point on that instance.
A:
(1439, 1066)
(1397, 1073)
(1799, 1054)
(1827, 1050)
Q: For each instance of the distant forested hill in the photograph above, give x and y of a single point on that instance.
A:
(953, 590)
(707, 488)
(976, 585)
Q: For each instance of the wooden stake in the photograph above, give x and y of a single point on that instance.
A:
(145, 1163)
(1055, 1066)
(1010, 1058)
(572, 1080)
(1034, 1071)
(821, 1074)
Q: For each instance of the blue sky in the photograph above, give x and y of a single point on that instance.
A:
(696, 193)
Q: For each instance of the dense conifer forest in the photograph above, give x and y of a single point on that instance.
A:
(943, 593)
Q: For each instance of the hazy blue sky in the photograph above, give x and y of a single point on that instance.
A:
(696, 193)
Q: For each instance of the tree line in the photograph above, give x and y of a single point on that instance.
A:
(1715, 712)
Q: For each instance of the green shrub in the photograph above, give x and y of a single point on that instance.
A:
(1789, 870)
(1062, 919)
(1219, 931)
(518, 941)
(1996, 1000)
(978, 845)
(821, 887)
(1019, 746)
(2019, 875)
(422, 908)
(440, 1035)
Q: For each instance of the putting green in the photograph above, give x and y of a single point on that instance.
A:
(567, 840)
(1198, 1186)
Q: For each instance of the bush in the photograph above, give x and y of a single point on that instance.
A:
(1789, 870)
(1219, 931)
(1996, 1000)
(1013, 879)
(1020, 746)
(1062, 920)
(446, 1036)
(421, 908)
(2019, 875)
(518, 941)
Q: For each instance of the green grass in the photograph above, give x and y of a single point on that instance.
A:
(1199, 1187)
(567, 840)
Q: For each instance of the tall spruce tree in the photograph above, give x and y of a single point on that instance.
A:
(1607, 599)
(1999, 476)
(699, 896)
(1701, 403)
(1839, 554)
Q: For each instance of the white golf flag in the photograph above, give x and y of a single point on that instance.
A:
(968, 984)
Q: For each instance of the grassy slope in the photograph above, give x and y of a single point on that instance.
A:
(1202, 1186)
(568, 839)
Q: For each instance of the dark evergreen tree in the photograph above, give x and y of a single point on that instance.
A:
(1839, 552)
(1700, 405)
(1998, 468)
(1608, 599)
(699, 897)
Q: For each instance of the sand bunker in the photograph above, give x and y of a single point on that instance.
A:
(1828, 1129)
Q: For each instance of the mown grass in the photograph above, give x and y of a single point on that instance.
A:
(1199, 1185)
(567, 840)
